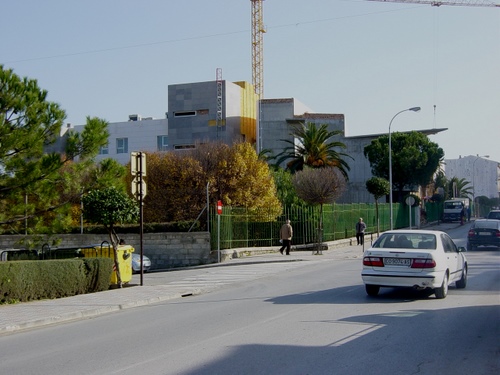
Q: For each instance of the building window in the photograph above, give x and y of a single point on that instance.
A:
(162, 141)
(183, 147)
(122, 145)
(184, 113)
(104, 150)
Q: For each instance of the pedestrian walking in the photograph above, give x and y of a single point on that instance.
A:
(360, 231)
(286, 233)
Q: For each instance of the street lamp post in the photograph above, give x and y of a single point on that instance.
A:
(473, 183)
(414, 109)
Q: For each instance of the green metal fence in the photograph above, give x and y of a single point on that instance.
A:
(239, 228)
(433, 211)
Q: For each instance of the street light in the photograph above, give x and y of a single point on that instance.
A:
(473, 184)
(414, 109)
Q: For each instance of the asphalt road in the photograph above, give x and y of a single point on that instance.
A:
(281, 318)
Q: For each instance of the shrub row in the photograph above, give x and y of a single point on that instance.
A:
(22, 281)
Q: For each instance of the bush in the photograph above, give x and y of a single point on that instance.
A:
(98, 272)
(34, 280)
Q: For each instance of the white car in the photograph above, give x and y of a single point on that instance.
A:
(136, 263)
(421, 259)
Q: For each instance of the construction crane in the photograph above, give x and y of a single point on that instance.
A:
(434, 3)
(258, 31)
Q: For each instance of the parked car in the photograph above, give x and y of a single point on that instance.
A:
(484, 232)
(136, 263)
(420, 259)
(494, 214)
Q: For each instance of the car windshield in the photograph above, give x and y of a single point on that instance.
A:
(406, 240)
(494, 215)
(486, 224)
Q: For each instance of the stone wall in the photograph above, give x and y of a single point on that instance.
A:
(166, 250)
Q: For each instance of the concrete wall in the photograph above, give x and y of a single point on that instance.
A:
(360, 171)
(273, 128)
(166, 250)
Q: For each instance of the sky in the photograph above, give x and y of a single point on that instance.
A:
(367, 60)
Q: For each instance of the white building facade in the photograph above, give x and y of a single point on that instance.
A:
(482, 173)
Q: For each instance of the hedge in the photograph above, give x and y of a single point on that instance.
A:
(28, 280)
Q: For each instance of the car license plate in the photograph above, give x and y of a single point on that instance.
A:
(396, 262)
(484, 233)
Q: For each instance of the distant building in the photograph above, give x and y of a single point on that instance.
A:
(225, 111)
(483, 174)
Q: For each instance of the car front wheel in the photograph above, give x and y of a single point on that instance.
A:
(372, 290)
(442, 291)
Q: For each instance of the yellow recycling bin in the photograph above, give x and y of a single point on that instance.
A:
(105, 250)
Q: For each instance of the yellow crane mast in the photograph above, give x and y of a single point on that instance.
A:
(258, 30)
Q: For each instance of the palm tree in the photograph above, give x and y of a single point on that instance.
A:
(459, 188)
(313, 149)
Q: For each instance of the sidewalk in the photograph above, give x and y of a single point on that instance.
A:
(39, 313)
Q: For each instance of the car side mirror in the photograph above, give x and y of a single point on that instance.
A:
(462, 249)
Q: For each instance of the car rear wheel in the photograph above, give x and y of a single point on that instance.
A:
(372, 290)
(442, 291)
(462, 283)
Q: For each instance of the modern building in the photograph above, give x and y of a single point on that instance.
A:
(225, 111)
(197, 112)
(209, 111)
(482, 173)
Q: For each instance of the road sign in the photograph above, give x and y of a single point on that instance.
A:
(138, 163)
(219, 207)
(410, 201)
(136, 187)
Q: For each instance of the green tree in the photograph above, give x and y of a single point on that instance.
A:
(378, 187)
(440, 186)
(319, 186)
(109, 207)
(285, 190)
(313, 147)
(415, 159)
(37, 179)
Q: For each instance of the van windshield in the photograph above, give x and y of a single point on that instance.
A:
(452, 205)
